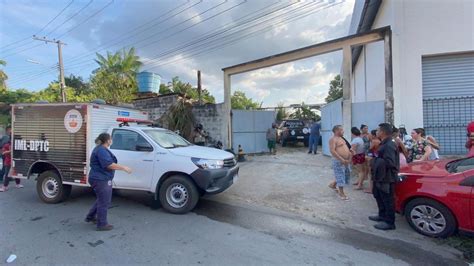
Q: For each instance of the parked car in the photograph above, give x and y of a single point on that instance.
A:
(293, 131)
(53, 144)
(437, 197)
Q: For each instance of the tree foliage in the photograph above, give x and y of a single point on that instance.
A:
(78, 84)
(115, 79)
(281, 112)
(304, 113)
(185, 88)
(180, 118)
(3, 77)
(240, 101)
(335, 89)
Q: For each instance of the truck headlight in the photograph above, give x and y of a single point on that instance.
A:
(208, 164)
(293, 132)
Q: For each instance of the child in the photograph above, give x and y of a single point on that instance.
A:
(7, 162)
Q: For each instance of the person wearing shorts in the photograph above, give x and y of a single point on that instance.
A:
(341, 154)
(271, 138)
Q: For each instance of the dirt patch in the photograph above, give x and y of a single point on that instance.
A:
(297, 182)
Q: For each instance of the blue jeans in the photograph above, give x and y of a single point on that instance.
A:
(313, 143)
(103, 192)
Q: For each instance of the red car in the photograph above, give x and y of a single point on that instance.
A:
(437, 197)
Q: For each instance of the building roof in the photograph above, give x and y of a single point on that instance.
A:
(363, 18)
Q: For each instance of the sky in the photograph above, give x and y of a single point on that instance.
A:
(177, 38)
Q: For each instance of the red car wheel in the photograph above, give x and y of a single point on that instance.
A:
(430, 218)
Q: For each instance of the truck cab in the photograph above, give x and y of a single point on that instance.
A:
(166, 164)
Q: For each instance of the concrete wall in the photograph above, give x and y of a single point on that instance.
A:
(156, 106)
(419, 28)
(209, 115)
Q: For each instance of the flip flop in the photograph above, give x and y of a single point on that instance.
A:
(344, 198)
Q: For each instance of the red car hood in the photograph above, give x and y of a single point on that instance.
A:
(426, 168)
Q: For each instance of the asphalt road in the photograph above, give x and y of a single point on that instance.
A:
(214, 234)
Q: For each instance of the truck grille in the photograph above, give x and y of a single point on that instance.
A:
(230, 162)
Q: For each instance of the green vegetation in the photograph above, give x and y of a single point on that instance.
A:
(3, 77)
(281, 112)
(305, 113)
(335, 89)
(115, 80)
(177, 86)
(240, 101)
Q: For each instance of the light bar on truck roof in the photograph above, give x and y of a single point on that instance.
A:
(133, 120)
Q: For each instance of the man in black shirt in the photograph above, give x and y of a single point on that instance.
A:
(385, 169)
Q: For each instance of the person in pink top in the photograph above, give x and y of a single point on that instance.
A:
(7, 163)
(470, 139)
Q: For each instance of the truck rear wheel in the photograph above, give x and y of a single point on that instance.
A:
(50, 188)
(178, 194)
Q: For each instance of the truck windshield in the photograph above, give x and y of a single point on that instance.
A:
(167, 139)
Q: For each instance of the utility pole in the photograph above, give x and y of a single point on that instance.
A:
(62, 83)
(199, 87)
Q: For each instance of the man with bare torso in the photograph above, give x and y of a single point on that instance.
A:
(341, 158)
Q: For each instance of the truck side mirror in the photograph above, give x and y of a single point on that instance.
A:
(144, 147)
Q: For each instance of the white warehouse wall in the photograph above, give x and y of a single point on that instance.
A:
(419, 28)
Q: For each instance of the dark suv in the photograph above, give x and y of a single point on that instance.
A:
(293, 131)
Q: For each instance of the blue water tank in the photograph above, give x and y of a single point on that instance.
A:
(148, 82)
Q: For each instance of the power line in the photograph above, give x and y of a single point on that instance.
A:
(142, 25)
(250, 19)
(84, 21)
(159, 32)
(229, 42)
(255, 18)
(44, 27)
(176, 25)
(71, 17)
(251, 34)
(39, 74)
(59, 14)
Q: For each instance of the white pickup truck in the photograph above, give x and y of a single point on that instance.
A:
(53, 143)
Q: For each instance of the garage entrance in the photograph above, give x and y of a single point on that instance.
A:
(448, 99)
(346, 44)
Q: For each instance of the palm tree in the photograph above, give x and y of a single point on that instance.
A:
(3, 76)
(115, 78)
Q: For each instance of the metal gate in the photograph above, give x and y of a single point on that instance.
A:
(448, 99)
(331, 115)
(249, 129)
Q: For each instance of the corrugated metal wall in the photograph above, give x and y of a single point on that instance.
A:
(331, 115)
(249, 129)
(448, 99)
(47, 123)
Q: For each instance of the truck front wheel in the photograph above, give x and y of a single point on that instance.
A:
(178, 194)
(50, 188)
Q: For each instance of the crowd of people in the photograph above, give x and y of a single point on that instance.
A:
(376, 157)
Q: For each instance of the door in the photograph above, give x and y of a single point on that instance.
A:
(468, 170)
(124, 147)
(448, 99)
(249, 129)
